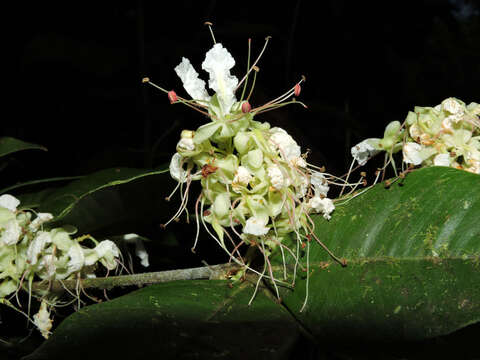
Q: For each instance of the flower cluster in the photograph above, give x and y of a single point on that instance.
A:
(445, 135)
(28, 251)
(256, 184)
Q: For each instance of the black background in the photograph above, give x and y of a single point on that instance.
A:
(74, 69)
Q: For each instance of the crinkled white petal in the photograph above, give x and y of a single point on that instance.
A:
(9, 202)
(276, 177)
(319, 183)
(442, 160)
(42, 320)
(218, 63)
(324, 206)
(37, 245)
(47, 262)
(411, 153)
(282, 141)
(194, 86)
(11, 232)
(140, 250)
(255, 226)
(107, 247)
(363, 151)
(77, 258)
(176, 170)
(40, 220)
(298, 161)
(242, 176)
(452, 106)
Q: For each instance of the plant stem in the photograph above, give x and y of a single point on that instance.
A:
(214, 272)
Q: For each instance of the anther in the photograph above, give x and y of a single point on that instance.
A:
(145, 80)
(255, 68)
(172, 96)
(246, 107)
(297, 89)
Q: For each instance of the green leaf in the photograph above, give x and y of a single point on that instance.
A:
(413, 252)
(9, 145)
(117, 200)
(198, 319)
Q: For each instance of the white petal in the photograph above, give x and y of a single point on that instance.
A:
(319, 183)
(442, 160)
(194, 86)
(176, 170)
(276, 177)
(364, 151)
(11, 233)
(9, 202)
(47, 262)
(218, 63)
(411, 153)
(242, 176)
(40, 220)
(280, 140)
(77, 258)
(324, 206)
(186, 144)
(255, 226)
(37, 245)
(452, 106)
(106, 247)
(42, 320)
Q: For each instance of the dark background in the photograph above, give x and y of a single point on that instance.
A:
(74, 70)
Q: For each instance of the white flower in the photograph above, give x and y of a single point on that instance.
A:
(324, 206)
(176, 170)
(255, 226)
(9, 202)
(452, 106)
(107, 251)
(242, 176)
(442, 160)
(37, 245)
(40, 220)
(276, 177)
(42, 320)
(218, 63)
(282, 141)
(11, 233)
(319, 183)
(47, 262)
(77, 258)
(411, 153)
(364, 151)
(194, 86)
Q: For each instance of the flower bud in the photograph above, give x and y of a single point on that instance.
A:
(297, 89)
(246, 107)
(172, 96)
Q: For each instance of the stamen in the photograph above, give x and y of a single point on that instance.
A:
(209, 24)
(248, 68)
(255, 63)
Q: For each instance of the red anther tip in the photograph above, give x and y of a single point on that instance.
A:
(297, 89)
(246, 107)
(172, 96)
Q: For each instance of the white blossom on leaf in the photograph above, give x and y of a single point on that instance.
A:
(324, 206)
(411, 153)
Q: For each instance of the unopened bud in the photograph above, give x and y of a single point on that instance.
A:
(246, 107)
(297, 89)
(172, 96)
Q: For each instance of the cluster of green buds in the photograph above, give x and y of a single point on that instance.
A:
(257, 186)
(28, 251)
(445, 135)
